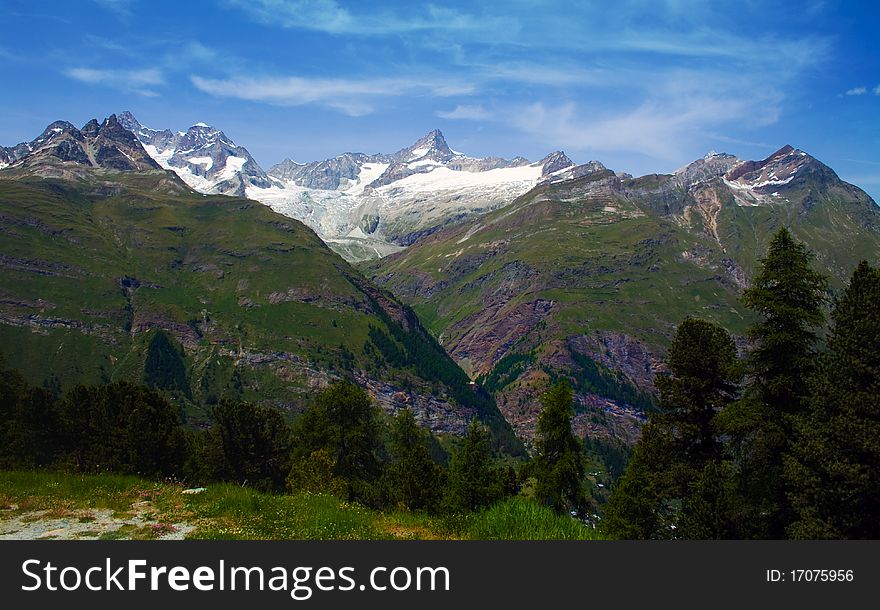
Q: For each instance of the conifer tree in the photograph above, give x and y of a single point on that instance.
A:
(833, 472)
(559, 466)
(471, 472)
(252, 444)
(413, 479)
(789, 297)
(676, 484)
(343, 422)
(641, 503)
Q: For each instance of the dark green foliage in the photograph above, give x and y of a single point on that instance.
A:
(558, 464)
(592, 378)
(121, 427)
(641, 506)
(412, 479)
(833, 471)
(316, 473)
(417, 349)
(506, 371)
(389, 350)
(789, 297)
(164, 368)
(343, 422)
(28, 423)
(677, 484)
(702, 381)
(610, 451)
(474, 481)
(252, 445)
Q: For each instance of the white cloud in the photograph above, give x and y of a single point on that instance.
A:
(136, 81)
(355, 97)
(857, 91)
(669, 122)
(329, 17)
(120, 7)
(466, 112)
(877, 90)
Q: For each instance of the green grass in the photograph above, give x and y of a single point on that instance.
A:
(522, 519)
(224, 276)
(226, 511)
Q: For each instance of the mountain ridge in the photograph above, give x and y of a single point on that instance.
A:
(586, 278)
(363, 205)
(95, 260)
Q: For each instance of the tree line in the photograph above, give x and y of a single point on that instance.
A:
(783, 442)
(342, 445)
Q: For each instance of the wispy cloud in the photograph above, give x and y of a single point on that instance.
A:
(740, 142)
(8, 55)
(857, 91)
(135, 81)
(466, 112)
(329, 17)
(120, 7)
(354, 97)
(666, 124)
(863, 179)
(877, 90)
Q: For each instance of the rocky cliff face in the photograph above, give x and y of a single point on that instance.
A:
(62, 147)
(586, 276)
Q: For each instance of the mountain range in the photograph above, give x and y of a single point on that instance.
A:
(587, 278)
(364, 206)
(102, 251)
(524, 272)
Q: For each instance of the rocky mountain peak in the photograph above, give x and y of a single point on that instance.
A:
(202, 156)
(712, 165)
(62, 147)
(128, 120)
(432, 145)
(778, 170)
(91, 129)
(555, 162)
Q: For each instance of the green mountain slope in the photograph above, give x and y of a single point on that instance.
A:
(588, 277)
(99, 267)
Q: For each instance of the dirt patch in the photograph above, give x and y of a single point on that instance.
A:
(141, 522)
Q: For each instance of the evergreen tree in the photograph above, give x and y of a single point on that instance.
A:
(789, 297)
(471, 473)
(29, 426)
(252, 445)
(121, 427)
(559, 466)
(413, 479)
(343, 421)
(833, 472)
(641, 506)
(676, 484)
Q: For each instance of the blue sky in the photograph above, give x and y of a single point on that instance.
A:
(643, 86)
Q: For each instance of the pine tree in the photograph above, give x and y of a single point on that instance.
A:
(559, 466)
(343, 421)
(834, 468)
(641, 506)
(471, 473)
(252, 444)
(676, 484)
(413, 479)
(789, 297)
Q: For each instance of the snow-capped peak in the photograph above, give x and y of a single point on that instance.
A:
(204, 157)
